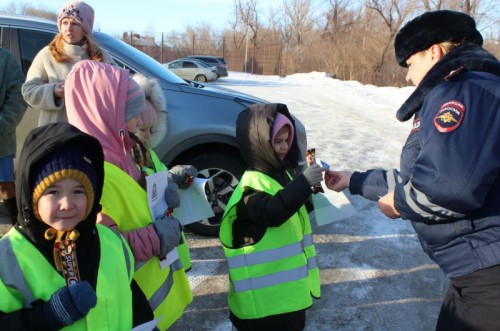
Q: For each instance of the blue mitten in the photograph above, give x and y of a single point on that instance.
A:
(69, 304)
(169, 232)
(181, 174)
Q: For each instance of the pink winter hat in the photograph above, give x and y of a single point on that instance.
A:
(80, 12)
(279, 122)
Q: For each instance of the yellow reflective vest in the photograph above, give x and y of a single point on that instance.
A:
(26, 276)
(279, 273)
(167, 290)
(183, 249)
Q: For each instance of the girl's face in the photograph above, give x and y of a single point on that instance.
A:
(134, 124)
(71, 31)
(63, 205)
(280, 143)
(144, 134)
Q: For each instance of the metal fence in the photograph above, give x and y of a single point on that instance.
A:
(263, 59)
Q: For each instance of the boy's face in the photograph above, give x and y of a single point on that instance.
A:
(144, 134)
(63, 205)
(280, 143)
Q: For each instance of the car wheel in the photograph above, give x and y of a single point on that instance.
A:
(200, 78)
(223, 172)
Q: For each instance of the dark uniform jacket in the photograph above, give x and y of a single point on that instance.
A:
(449, 181)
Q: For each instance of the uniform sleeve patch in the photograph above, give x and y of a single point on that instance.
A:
(449, 116)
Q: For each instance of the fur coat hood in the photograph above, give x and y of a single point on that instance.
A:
(467, 57)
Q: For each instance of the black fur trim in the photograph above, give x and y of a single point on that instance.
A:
(433, 28)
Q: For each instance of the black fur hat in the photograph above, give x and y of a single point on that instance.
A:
(433, 28)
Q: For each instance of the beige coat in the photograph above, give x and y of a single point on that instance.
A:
(43, 75)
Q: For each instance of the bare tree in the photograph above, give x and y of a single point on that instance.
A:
(393, 13)
(298, 20)
(339, 17)
(246, 13)
(26, 9)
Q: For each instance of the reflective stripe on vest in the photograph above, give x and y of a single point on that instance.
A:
(167, 290)
(281, 265)
(40, 280)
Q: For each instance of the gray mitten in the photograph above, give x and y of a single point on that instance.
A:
(69, 304)
(182, 175)
(169, 232)
(314, 174)
(172, 197)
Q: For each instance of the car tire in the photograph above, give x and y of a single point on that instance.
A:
(223, 172)
(200, 78)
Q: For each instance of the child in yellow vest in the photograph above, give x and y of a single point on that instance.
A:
(105, 102)
(152, 132)
(58, 268)
(266, 232)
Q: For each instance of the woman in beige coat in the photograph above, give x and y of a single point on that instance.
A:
(44, 86)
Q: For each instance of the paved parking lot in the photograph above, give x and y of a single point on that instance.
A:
(374, 276)
(381, 281)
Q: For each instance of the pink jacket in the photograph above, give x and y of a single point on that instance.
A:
(95, 97)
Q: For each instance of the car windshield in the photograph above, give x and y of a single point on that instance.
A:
(133, 57)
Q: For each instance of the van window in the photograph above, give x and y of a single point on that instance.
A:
(30, 43)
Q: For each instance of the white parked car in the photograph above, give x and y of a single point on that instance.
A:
(192, 70)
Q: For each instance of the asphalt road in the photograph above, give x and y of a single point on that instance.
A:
(382, 282)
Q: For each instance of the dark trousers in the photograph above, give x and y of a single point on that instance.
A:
(472, 302)
(294, 321)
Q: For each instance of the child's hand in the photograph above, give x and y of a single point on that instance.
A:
(69, 304)
(172, 197)
(169, 233)
(337, 180)
(182, 175)
(314, 174)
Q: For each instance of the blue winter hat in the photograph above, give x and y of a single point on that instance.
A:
(69, 162)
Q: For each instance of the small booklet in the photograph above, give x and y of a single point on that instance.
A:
(194, 204)
(156, 184)
(331, 206)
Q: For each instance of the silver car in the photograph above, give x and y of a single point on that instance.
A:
(201, 118)
(211, 60)
(192, 70)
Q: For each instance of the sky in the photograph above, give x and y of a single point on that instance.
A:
(157, 16)
(370, 266)
(154, 16)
